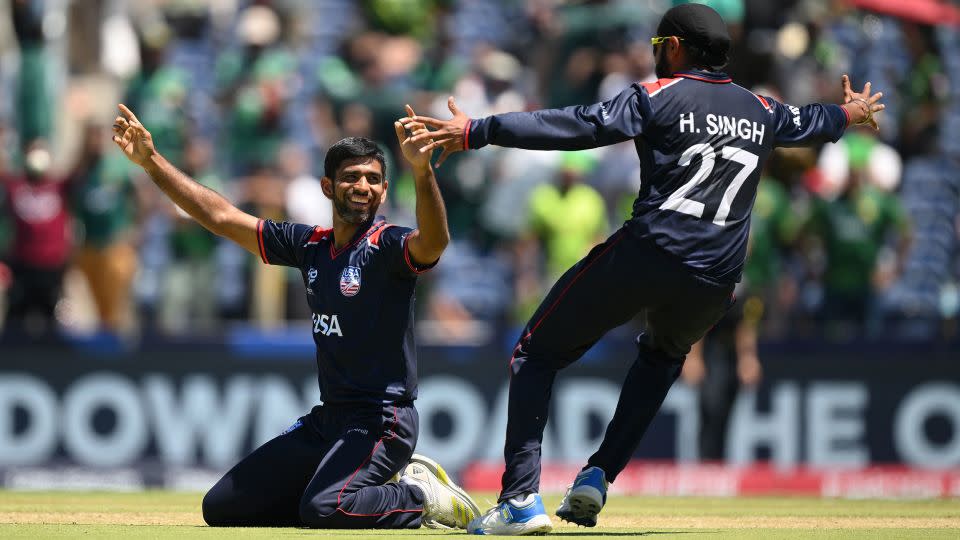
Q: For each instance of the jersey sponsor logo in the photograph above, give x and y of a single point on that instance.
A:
(350, 281)
(327, 325)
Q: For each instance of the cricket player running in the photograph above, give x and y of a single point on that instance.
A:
(702, 141)
(333, 467)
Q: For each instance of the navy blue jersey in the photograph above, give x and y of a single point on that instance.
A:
(362, 298)
(702, 142)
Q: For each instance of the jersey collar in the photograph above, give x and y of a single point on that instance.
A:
(362, 232)
(714, 77)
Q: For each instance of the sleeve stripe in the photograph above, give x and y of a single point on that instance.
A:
(406, 257)
(466, 135)
(263, 252)
(846, 113)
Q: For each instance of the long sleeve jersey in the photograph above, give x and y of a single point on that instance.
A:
(702, 142)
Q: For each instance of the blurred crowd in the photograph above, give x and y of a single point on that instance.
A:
(854, 239)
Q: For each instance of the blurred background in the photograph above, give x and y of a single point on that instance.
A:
(138, 344)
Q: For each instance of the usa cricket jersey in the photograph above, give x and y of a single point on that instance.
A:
(362, 298)
(702, 142)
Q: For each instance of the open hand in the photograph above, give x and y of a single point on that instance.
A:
(132, 138)
(448, 135)
(408, 131)
(861, 106)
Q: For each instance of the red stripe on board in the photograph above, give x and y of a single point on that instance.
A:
(715, 479)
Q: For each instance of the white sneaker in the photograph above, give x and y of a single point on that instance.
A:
(445, 505)
(584, 498)
(514, 518)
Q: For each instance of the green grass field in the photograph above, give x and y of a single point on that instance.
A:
(177, 515)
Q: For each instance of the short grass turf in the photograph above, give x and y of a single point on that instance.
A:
(157, 514)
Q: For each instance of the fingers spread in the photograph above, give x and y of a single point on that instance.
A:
(432, 122)
(409, 109)
(866, 89)
(128, 113)
(421, 135)
(431, 146)
(876, 97)
(452, 105)
(401, 133)
(442, 157)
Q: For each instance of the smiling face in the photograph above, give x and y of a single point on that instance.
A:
(358, 189)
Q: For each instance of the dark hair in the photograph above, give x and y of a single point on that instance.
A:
(352, 148)
(704, 59)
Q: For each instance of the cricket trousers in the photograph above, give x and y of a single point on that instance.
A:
(329, 470)
(614, 282)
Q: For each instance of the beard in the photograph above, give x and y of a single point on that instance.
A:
(350, 213)
(662, 66)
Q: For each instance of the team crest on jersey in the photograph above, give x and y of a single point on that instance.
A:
(311, 276)
(350, 281)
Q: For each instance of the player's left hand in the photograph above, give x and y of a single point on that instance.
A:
(447, 134)
(861, 106)
(408, 131)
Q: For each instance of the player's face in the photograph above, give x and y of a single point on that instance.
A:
(358, 190)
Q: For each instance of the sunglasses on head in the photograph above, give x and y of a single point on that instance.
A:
(660, 39)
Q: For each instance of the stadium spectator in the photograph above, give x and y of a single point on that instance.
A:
(159, 91)
(568, 216)
(38, 204)
(106, 205)
(853, 229)
(189, 299)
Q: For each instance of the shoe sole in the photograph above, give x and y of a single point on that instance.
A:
(585, 503)
(441, 474)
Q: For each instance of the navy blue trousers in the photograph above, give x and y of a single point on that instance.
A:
(328, 471)
(613, 283)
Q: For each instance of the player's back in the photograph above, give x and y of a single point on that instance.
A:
(703, 146)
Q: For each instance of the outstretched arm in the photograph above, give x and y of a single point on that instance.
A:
(205, 205)
(571, 128)
(431, 237)
(817, 122)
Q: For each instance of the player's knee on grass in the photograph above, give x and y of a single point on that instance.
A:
(318, 512)
(215, 508)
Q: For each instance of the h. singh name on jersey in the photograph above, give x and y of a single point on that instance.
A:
(717, 124)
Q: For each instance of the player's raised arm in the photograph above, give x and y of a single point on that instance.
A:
(571, 128)
(205, 205)
(817, 123)
(427, 243)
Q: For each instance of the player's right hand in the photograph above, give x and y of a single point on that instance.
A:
(407, 131)
(132, 138)
(446, 134)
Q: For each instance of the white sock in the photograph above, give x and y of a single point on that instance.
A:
(522, 500)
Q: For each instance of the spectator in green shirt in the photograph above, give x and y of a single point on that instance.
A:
(105, 202)
(569, 216)
(853, 229)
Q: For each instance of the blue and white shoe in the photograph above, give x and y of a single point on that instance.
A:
(584, 498)
(514, 518)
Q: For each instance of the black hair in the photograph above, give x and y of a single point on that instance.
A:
(704, 59)
(351, 148)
